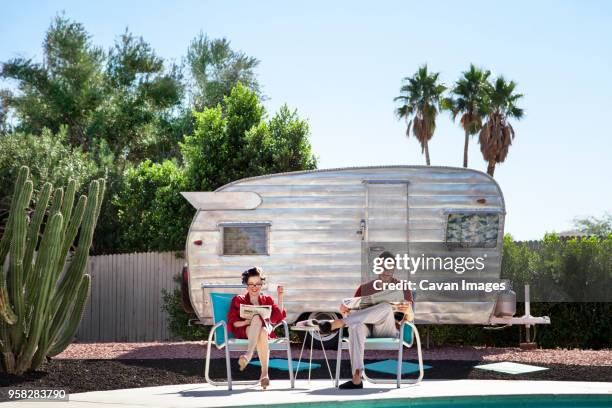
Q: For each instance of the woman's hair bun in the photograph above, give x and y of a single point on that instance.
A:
(254, 271)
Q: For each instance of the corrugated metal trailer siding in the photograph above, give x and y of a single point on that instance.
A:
(314, 248)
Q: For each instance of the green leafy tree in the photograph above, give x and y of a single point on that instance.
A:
(497, 133)
(469, 99)
(118, 96)
(234, 141)
(64, 89)
(151, 213)
(213, 68)
(518, 263)
(5, 127)
(600, 226)
(280, 145)
(216, 68)
(50, 158)
(141, 98)
(420, 100)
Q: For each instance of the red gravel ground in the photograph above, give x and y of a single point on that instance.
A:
(196, 350)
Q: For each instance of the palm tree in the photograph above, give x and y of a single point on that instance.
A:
(420, 98)
(470, 101)
(497, 133)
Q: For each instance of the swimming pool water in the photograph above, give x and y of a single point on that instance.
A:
(495, 401)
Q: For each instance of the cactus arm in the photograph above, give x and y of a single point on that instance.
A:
(5, 340)
(100, 197)
(70, 281)
(6, 312)
(31, 242)
(17, 251)
(70, 233)
(68, 203)
(22, 176)
(45, 262)
(60, 343)
(41, 350)
(8, 359)
(32, 239)
(56, 205)
(82, 253)
(15, 274)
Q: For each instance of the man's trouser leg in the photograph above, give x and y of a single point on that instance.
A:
(357, 335)
(381, 316)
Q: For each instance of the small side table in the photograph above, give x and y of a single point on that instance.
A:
(309, 330)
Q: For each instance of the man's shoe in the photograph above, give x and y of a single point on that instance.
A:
(350, 385)
(325, 326)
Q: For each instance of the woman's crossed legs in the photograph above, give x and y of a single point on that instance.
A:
(257, 335)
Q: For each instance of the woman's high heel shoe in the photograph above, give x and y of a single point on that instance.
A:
(265, 382)
(242, 362)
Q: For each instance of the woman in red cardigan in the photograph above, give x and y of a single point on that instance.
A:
(257, 330)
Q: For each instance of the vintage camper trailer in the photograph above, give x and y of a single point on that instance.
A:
(308, 231)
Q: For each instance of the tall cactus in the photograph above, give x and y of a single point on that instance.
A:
(41, 301)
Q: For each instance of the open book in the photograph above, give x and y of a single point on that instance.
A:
(248, 311)
(393, 297)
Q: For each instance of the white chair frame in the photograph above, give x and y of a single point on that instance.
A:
(279, 343)
(395, 344)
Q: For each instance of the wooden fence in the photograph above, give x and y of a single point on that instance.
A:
(126, 297)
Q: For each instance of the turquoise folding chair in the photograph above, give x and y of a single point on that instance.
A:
(407, 333)
(220, 304)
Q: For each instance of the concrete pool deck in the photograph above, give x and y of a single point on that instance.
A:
(205, 395)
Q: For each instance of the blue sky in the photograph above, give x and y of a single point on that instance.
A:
(341, 64)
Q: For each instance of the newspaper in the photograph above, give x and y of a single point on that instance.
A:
(393, 297)
(306, 324)
(248, 311)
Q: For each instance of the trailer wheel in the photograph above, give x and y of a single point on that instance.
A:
(330, 341)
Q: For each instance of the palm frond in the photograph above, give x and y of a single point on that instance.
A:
(421, 95)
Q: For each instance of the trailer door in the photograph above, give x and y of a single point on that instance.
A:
(386, 217)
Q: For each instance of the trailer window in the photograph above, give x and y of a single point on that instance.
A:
(245, 240)
(475, 230)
